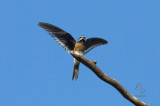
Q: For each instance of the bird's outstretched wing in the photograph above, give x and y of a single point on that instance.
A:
(94, 42)
(62, 37)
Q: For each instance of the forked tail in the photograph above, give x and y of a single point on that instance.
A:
(75, 69)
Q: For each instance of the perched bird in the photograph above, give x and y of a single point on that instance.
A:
(81, 47)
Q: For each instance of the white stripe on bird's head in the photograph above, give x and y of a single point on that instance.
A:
(82, 38)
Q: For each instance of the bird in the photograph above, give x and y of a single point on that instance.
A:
(65, 39)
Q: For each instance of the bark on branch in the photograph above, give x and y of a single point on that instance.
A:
(92, 65)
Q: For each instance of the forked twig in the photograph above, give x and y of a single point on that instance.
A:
(92, 65)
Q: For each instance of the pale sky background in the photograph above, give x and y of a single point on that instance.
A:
(36, 71)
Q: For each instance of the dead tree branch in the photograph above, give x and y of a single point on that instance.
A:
(92, 65)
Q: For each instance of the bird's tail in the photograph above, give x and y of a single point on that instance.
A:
(75, 69)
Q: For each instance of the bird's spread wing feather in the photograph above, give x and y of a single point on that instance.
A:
(60, 36)
(94, 42)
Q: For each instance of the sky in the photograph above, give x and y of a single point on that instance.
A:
(36, 71)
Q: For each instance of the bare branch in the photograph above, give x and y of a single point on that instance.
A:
(92, 65)
(94, 61)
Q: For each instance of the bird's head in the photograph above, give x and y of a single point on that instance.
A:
(82, 39)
